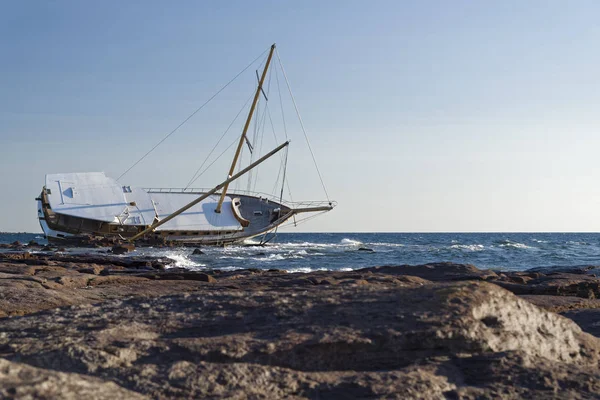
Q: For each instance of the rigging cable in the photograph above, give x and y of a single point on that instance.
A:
(287, 183)
(192, 114)
(259, 123)
(301, 221)
(215, 160)
(302, 125)
(280, 104)
(194, 177)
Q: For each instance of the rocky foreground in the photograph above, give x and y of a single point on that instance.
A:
(110, 327)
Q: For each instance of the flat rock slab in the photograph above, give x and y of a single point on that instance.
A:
(22, 381)
(458, 340)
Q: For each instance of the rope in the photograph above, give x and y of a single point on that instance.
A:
(194, 177)
(301, 221)
(280, 105)
(302, 125)
(215, 160)
(284, 172)
(191, 115)
(281, 157)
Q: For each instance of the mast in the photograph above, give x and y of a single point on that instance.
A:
(243, 137)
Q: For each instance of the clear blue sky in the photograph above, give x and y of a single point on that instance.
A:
(424, 115)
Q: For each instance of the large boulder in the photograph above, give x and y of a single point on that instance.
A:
(461, 340)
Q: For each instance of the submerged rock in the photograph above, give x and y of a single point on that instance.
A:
(123, 248)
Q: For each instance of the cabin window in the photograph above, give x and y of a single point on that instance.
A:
(126, 189)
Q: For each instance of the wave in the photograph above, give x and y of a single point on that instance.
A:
(469, 247)
(305, 269)
(350, 242)
(514, 245)
(181, 260)
(383, 244)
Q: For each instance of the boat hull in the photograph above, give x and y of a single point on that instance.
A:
(260, 214)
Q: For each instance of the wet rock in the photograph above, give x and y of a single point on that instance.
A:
(197, 252)
(365, 249)
(175, 275)
(437, 271)
(123, 248)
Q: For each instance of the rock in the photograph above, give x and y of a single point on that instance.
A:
(174, 275)
(365, 249)
(123, 248)
(587, 319)
(459, 340)
(436, 271)
(197, 252)
(21, 381)
(46, 248)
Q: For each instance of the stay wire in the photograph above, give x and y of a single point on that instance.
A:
(302, 125)
(194, 177)
(281, 104)
(287, 183)
(192, 114)
(214, 161)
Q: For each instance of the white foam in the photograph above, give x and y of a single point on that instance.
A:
(516, 246)
(350, 242)
(181, 260)
(386, 244)
(469, 247)
(306, 269)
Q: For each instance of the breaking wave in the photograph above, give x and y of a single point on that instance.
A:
(350, 242)
(469, 247)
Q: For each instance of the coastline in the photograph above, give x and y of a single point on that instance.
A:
(136, 325)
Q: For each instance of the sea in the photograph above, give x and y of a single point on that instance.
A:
(305, 252)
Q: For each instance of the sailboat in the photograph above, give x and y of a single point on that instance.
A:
(90, 204)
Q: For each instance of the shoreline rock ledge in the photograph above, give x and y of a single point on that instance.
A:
(435, 331)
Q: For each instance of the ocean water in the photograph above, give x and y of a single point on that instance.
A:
(341, 251)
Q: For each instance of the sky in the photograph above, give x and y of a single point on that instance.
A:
(424, 116)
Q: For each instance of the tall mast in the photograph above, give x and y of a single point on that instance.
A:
(243, 137)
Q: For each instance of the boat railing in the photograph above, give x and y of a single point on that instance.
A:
(233, 193)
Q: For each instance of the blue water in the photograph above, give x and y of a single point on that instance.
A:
(340, 251)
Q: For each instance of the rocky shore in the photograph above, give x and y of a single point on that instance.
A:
(103, 326)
